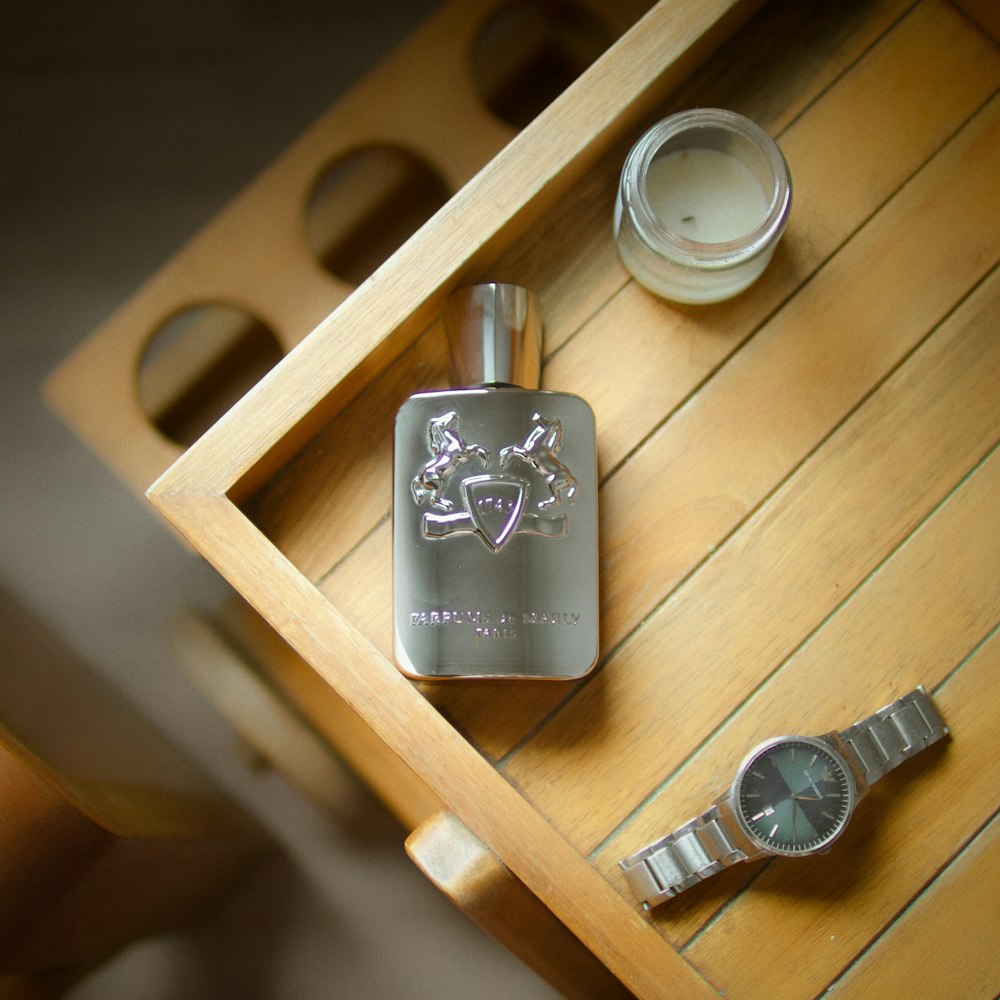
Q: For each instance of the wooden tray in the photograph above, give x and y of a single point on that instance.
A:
(295, 242)
(799, 517)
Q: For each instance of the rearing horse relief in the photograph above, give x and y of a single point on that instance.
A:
(539, 452)
(449, 453)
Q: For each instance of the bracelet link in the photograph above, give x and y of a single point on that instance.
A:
(700, 848)
(894, 734)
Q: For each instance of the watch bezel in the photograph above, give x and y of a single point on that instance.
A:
(825, 746)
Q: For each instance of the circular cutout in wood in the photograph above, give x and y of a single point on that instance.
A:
(366, 204)
(198, 363)
(530, 51)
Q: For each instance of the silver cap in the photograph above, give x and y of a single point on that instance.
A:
(495, 336)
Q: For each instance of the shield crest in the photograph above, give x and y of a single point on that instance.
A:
(495, 504)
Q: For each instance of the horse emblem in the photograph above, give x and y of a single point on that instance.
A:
(494, 502)
(539, 452)
(449, 453)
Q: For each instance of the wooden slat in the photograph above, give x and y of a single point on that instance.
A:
(254, 252)
(770, 585)
(574, 266)
(573, 262)
(671, 352)
(824, 436)
(708, 467)
(692, 497)
(467, 784)
(830, 907)
(257, 252)
(921, 612)
(984, 13)
(388, 312)
(948, 943)
(903, 100)
(831, 337)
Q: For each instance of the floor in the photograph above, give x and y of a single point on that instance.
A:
(126, 127)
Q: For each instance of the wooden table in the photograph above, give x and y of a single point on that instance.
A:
(799, 501)
(108, 832)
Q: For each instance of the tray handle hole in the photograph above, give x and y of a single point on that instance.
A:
(530, 51)
(198, 363)
(366, 204)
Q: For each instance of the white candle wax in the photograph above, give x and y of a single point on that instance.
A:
(705, 195)
(703, 199)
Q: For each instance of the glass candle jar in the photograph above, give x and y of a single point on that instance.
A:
(703, 200)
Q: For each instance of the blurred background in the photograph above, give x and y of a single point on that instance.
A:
(126, 127)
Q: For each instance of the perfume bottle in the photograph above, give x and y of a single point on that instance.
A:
(495, 508)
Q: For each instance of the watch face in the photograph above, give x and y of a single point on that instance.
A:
(793, 795)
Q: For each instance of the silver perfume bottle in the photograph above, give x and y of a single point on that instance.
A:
(495, 508)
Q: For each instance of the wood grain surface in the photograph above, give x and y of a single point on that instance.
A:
(799, 517)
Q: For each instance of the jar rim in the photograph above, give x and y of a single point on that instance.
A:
(650, 227)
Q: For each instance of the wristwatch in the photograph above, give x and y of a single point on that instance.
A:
(792, 797)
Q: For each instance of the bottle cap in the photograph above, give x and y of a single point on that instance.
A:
(495, 336)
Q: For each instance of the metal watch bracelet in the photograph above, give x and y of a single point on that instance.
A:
(894, 734)
(700, 848)
(707, 844)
